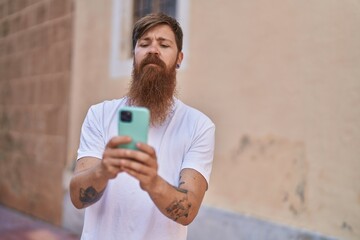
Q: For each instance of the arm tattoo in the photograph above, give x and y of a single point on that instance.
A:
(181, 190)
(90, 195)
(179, 208)
(180, 181)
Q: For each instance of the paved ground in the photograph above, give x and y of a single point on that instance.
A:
(18, 226)
(219, 225)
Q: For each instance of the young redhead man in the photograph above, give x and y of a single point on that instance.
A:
(155, 192)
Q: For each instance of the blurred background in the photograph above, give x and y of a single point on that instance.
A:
(280, 79)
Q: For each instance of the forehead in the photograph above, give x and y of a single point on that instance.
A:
(159, 31)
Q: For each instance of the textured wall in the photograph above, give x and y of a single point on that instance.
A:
(35, 65)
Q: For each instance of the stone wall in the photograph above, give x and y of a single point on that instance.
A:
(35, 70)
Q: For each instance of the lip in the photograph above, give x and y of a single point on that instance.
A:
(152, 64)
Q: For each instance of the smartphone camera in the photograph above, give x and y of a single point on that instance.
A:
(125, 116)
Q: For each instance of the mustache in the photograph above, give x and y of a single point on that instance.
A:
(152, 59)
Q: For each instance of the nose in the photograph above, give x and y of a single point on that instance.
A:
(153, 49)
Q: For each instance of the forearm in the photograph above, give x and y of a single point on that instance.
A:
(175, 203)
(87, 187)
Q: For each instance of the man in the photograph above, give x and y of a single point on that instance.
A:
(152, 193)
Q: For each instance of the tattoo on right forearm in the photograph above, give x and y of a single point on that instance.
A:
(89, 196)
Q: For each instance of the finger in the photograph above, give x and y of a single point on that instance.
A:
(111, 162)
(146, 148)
(118, 153)
(145, 180)
(117, 140)
(111, 167)
(139, 176)
(132, 173)
(141, 157)
(134, 166)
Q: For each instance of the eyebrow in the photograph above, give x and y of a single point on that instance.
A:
(160, 39)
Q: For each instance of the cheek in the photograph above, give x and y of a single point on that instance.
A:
(170, 60)
(139, 55)
(138, 59)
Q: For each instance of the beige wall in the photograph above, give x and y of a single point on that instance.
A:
(281, 80)
(91, 81)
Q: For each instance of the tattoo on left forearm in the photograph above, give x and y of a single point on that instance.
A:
(89, 195)
(179, 208)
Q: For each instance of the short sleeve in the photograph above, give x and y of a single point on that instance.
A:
(92, 142)
(201, 152)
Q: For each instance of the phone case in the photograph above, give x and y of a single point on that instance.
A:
(137, 128)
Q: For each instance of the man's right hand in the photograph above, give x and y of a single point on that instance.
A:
(110, 164)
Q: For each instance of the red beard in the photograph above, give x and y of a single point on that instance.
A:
(153, 86)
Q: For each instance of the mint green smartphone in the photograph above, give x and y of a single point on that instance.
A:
(134, 122)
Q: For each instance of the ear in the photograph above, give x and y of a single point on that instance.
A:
(179, 58)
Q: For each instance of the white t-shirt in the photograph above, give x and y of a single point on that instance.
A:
(125, 211)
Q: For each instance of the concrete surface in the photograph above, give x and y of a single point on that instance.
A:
(216, 224)
(18, 226)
